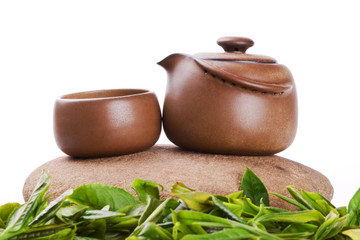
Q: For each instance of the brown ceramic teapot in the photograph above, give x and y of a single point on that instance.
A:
(229, 103)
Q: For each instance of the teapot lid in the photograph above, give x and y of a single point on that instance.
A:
(235, 48)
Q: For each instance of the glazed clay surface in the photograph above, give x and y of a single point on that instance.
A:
(229, 103)
(106, 122)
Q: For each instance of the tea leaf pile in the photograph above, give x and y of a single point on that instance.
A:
(98, 211)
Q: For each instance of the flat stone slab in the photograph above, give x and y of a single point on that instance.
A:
(167, 164)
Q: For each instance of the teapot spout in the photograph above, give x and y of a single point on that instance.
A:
(171, 61)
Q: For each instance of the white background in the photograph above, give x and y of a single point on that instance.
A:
(49, 48)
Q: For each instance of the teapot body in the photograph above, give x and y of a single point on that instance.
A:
(208, 111)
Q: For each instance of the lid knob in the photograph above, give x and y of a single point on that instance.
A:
(235, 44)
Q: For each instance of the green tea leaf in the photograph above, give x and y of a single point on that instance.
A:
(180, 229)
(250, 208)
(50, 211)
(135, 210)
(324, 207)
(229, 234)
(354, 234)
(152, 204)
(260, 213)
(235, 195)
(97, 196)
(326, 227)
(71, 213)
(66, 234)
(237, 209)
(20, 218)
(354, 210)
(337, 227)
(294, 217)
(100, 214)
(180, 187)
(299, 197)
(295, 235)
(153, 231)
(170, 205)
(155, 215)
(318, 202)
(42, 231)
(144, 188)
(197, 201)
(128, 238)
(291, 201)
(300, 227)
(191, 217)
(254, 188)
(342, 210)
(95, 229)
(219, 204)
(122, 224)
(5, 211)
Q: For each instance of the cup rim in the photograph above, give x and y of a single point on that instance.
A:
(104, 94)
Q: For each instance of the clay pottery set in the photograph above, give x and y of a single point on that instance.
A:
(229, 103)
(224, 103)
(106, 122)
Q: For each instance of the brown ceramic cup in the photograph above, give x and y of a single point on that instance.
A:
(106, 122)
